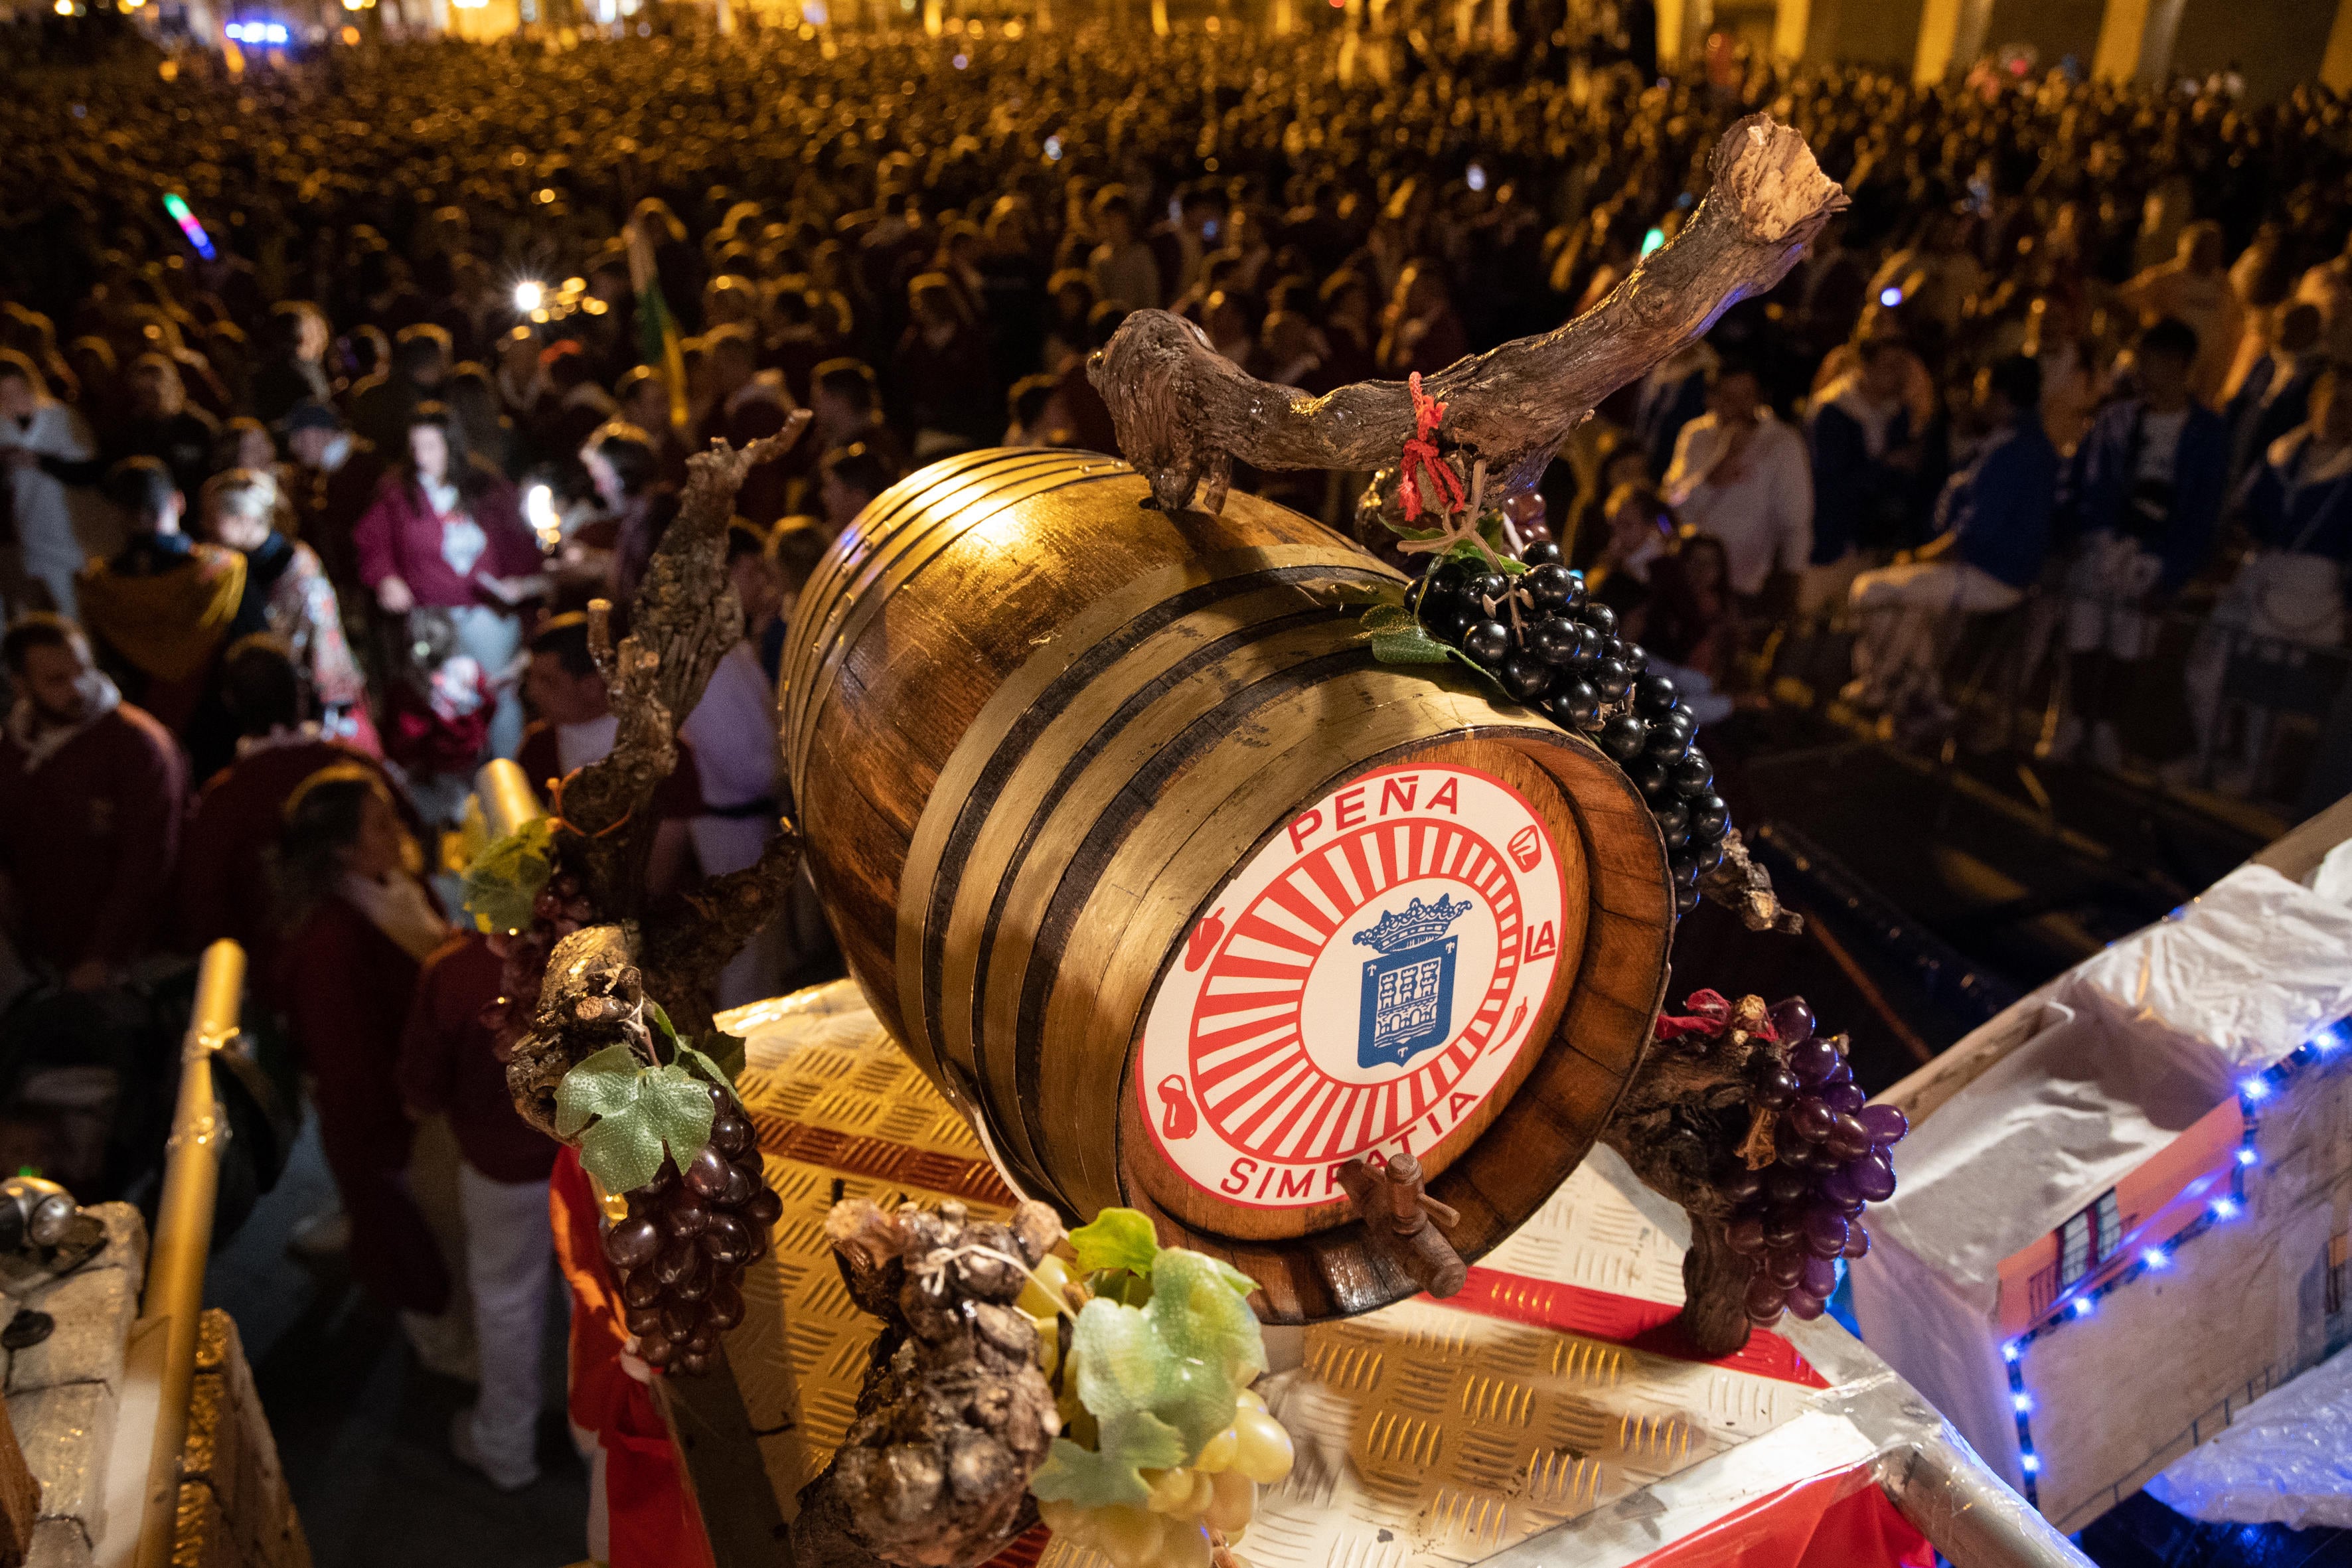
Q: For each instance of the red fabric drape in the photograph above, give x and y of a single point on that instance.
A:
(1837, 1521)
(652, 1518)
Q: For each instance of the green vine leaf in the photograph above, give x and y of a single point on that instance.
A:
(504, 881)
(1185, 1356)
(1409, 644)
(728, 1052)
(599, 1085)
(1240, 1284)
(621, 1153)
(1117, 1238)
(635, 1115)
(1100, 1478)
(709, 1068)
(678, 1109)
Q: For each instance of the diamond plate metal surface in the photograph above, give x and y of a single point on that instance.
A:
(1427, 1434)
(840, 1112)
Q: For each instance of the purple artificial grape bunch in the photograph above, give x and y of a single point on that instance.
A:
(680, 1255)
(1832, 1154)
(1554, 648)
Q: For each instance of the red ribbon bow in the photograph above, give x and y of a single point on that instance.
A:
(1711, 1012)
(1420, 456)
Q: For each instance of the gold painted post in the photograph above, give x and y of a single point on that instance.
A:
(184, 1235)
(508, 800)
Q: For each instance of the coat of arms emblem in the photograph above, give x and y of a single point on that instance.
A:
(1409, 988)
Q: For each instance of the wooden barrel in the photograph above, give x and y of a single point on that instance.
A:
(1182, 898)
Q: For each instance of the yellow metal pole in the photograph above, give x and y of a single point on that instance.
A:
(509, 803)
(2336, 65)
(183, 1237)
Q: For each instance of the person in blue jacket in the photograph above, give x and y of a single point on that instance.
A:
(1871, 478)
(2297, 509)
(2153, 472)
(1993, 534)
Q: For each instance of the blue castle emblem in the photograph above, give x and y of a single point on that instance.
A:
(1409, 989)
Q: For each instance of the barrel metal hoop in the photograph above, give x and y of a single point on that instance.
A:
(1174, 678)
(1029, 703)
(948, 511)
(871, 530)
(1111, 828)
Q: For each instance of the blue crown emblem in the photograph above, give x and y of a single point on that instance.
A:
(1415, 923)
(1408, 1001)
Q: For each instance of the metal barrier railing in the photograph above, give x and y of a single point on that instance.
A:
(2016, 676)
(184, 1235)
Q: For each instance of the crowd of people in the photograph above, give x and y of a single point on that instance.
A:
(304, 498)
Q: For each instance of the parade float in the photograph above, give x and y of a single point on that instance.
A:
(1249, 1131)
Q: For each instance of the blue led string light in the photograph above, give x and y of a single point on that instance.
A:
(2255, 1089)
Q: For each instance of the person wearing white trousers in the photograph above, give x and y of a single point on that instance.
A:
(449, 1066)
(1993, 522)
(509, 1259)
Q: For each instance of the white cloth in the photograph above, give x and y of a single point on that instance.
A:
(2281, 1459)
(2277, 593)
(589, 740)
(1761, 506)
(39, 743)
(400, 908)
(510, 1265)
(733, 733)
(1847, 395)
(463, 543)
(2159, 445)
(2120, 1056)
(58, 526)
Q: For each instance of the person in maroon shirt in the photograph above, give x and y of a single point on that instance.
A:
(449, 1065)
(91, 794)
(357, 925)
(446, 533)
(224, 885)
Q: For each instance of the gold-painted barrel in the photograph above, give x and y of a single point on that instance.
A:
(1182, 896)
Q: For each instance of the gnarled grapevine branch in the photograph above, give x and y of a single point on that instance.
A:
(1745, 887)
(1183, 414)
(1678, 1117)
(954, 1415)
(685, 619)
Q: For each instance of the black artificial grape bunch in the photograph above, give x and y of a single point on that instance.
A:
(1800, 1214)
(1555, 650)
(681, 1255)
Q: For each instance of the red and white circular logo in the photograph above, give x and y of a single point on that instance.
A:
(1359, 989)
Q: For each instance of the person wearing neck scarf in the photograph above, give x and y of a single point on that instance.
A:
(356, 925)
(285, 588)
(91, 794)
(161, 610)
